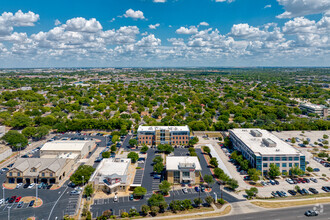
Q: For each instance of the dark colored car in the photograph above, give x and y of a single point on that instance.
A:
(276, 182)
(292, 192)
(197, 188)
(279, 194)
(31, 203)
(326, 188)
(305, 191)
(26, 185)
(313, 190)
(49, 186)
(311, 213)
(20, 204)
(131, 197)
(12, 199)
(202, 188)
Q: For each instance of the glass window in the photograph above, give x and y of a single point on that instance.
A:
(10, 174)
(185, 174)
(50, 174)
(43, 174)
(290, 164)
(265, 165)
(283, 164)
(278, 164)
(277, 158)
(271, 158)
(265, 158)
(296, 158)
(284, 171)
(290, 158)
(284, 158)
(18, 173)
(296, 164)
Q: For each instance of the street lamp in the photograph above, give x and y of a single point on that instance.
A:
(3, 193)
(36, 190)
(83, 180)
(9, 212)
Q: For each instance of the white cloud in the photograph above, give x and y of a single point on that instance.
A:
(229, 1)
(295, 8)
(203, 23)
(184, 30)
(154, 26)
(268, 6)
(299, 25)
(57, 22)
(149, 41)
(159, 1)
(82, 25)
(130, 13)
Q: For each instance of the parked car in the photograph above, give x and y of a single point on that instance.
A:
(49, 186)
(19, 185)
(31, 185)
(202, 188)
(307, 180)
(284, 193)
(276, 182)
(247, 178)
(292, 192)
(131, 197)
(75, 192)
(313, 179)
(305, 191)
(12, 199)
(18, 199)
(272, 182)
(31, 203)
(157, 176)
(4, 169)
(326, 188)
(20, 204)
(274, 194)
(290, 181)
(313, 190)
(311, 213)
(2, 201)
(115, 199)
(316, 170)
(71, 184)
(185, 190)
(197, 188)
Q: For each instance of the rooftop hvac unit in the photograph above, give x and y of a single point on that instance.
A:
(268, 142)
(256, 133)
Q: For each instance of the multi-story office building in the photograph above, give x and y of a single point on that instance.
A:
(155, 135)
(183, 170)
(262, 148)
(320, 110)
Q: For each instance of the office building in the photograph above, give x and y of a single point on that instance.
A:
(183, 169)
(155, 135)
(320, 110)
(262, 148)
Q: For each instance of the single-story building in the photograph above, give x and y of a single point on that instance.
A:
(79, 147)
(36, 170)
(112, 175)
(183, 169)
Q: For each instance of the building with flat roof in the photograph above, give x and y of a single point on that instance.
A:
(112, 175)
(183, 169)
(155, 135)
(57, 148)
(320, 110)
(36, 170)
(262, 148)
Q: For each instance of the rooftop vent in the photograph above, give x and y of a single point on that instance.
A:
(256, 133)
(268, 142)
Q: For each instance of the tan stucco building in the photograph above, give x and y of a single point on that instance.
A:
(36, 170)
(183, 170)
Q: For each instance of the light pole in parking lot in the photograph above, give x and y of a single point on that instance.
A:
(3, 193)
(36, 190)
(9, 212)
(83, 180)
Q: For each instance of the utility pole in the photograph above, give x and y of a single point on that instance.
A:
(36, 190)
(9, 212)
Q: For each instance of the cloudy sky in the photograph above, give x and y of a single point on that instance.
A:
(164, 33)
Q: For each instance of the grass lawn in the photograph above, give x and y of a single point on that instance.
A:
(282, 204)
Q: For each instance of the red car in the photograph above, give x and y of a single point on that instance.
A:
(18, 199)
(12, 199)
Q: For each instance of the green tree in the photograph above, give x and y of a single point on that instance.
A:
(206, 149)
(234, 155)
(296, 171)
(139, 191)
(154, 210)
(113, 148)
(254, 174)
(164, 187)
(41, 132)
(175, 206)
(232, 183)
(253, 191)
(193, 141)
(293, 140)
(20, 120)
(221, 201)
(145, 209)
(133, 156)
(166, 148)
(309, 169)
(157, 200)
(29, 131)
(82, 171)
(132, 142)
(106, 154)
(115, 138)
(124, 215)
(198, 201)
(158, 167)
(144, 149)
(15, 139)
(158, 159)
(89, 190)
(209, 200)
(208, 179)
(133, 212)
(325, 136)
(244, 165)
(214, 162)
(274, 170)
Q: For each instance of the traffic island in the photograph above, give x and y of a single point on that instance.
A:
(28, 199)
(291, 203)
(9, 185)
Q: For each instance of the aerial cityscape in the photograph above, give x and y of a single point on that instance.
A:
(164, 109)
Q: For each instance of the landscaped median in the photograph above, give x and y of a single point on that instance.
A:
(290, 203)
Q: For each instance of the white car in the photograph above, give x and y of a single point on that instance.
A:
(19, 185)
(185, 190)
(115, 199)
(2, 201)
(290, 181)
(31, 185)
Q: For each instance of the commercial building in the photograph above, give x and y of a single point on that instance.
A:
(112, 175)
(155, 135)
(36, 170)
(183, 170)
(71, 148)
(320, 110)
(262, 148)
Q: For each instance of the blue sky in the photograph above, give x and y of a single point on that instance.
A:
(147, 33)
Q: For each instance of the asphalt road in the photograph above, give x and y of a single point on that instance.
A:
(281, 214)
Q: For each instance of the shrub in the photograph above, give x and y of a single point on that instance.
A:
(221, 201)
(124, 215)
